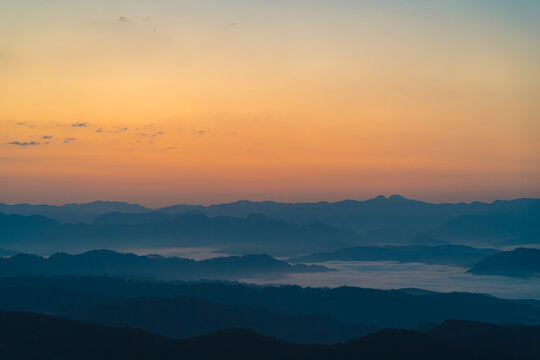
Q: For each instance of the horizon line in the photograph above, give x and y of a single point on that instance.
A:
(381, 197)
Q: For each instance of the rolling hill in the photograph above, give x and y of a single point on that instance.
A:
(59, 338)
(521, 262)
(106, 262)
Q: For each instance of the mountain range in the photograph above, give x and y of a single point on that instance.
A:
(512, 217)
(111, 263)
(280, 229)
(179, 316)
(521, 262)
(59, 338)
(367, 308)
(256, 233)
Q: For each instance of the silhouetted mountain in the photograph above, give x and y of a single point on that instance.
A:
(58, 338)
(176, 317)
(378, 308)
(254, 233)
(444, 254)
(186, 317)
(105, 262)
(72, 213)
(488, 227)
(281, 229)
(361, 216)
(521, 262)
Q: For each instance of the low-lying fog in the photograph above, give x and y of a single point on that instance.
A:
(394, 275)
(382, 275)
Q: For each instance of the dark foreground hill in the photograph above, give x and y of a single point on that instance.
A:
(178, 317)
(367, 307)
(106, 262)
(183, 317)
(443, 254)
(521, 262)
(59, 338)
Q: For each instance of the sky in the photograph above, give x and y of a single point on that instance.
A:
(161, 102)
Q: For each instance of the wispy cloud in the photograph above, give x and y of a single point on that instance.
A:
(123, 20)
(68, 140)
(24, 143)
(80, 124)
(46, 137)
(114, 129)
(152, 135)
(25, 123)
(200, 132)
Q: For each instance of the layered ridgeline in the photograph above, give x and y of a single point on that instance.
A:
(458, 255)
(328, 313)
(365, 215)
(111, 263)
(521, 262)
(59, 338)
(255, 233)
(179, 317)
(401, 220)
(73, 213)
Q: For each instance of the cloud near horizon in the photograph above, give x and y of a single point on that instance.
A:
(24, 143)
(152, 135)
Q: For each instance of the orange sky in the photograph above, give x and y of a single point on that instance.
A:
(165, 102)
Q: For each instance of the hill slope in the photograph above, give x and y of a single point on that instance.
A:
(186, 317)
(175, 317)
(105, 262)
(255, 232)
(378, 308)
(58, 338)
(521, 262)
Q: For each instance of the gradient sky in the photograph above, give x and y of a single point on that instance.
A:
(163, 101)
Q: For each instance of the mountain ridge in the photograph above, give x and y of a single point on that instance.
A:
(107, 262)
(369, 307)
(54, 337)
(311, 210)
